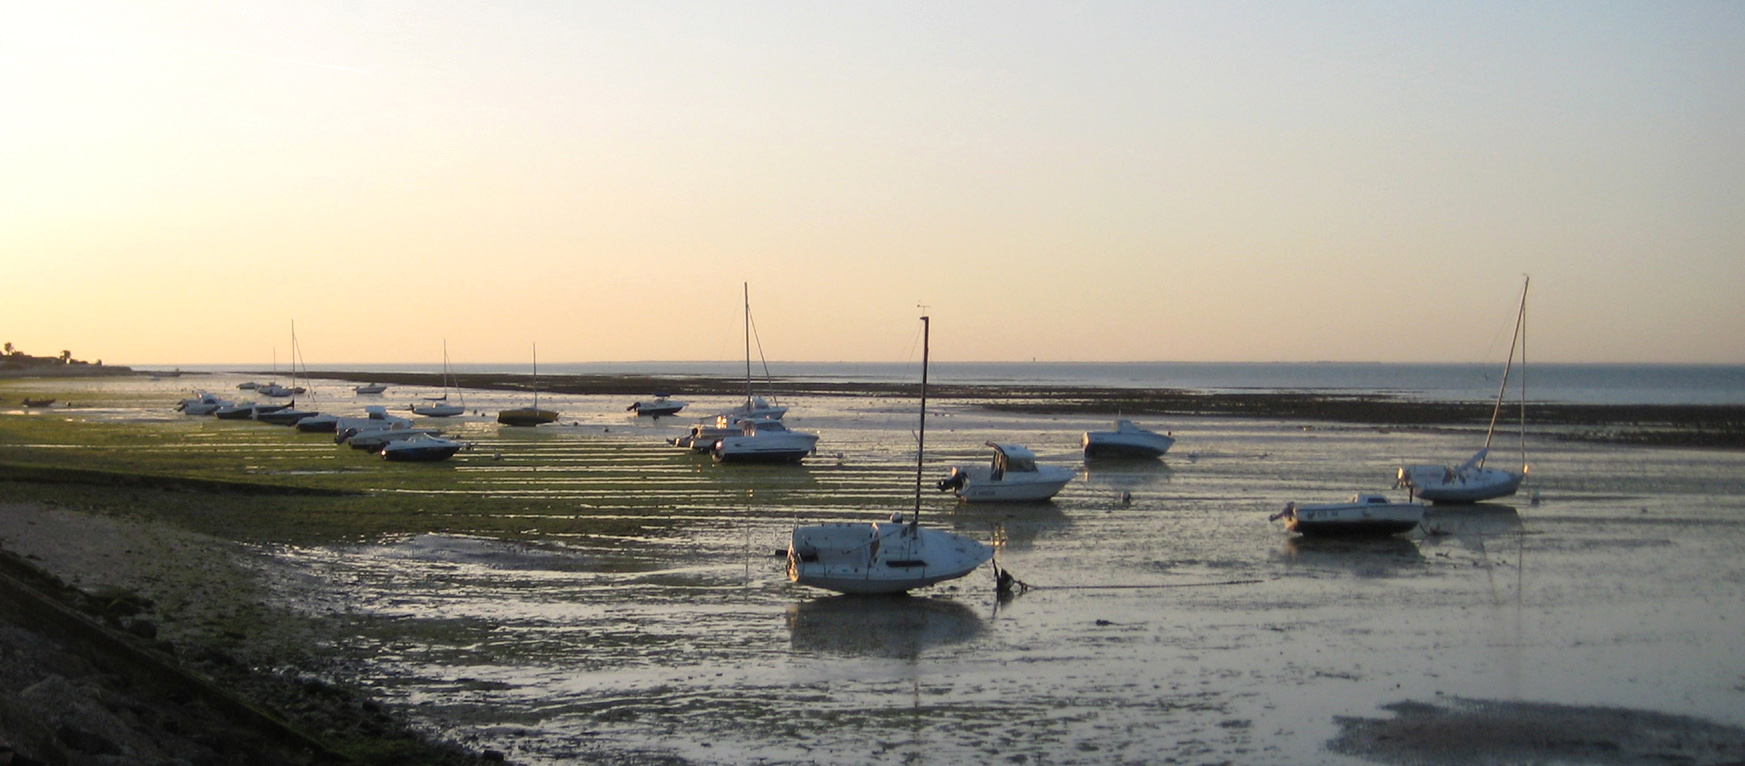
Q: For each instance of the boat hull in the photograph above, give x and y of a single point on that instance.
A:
(439, 410)
(977, 484)
(323, 424)
(526, 417)
(882, 558)
(1353, 519)
(1126, 441)
(421, 453)
(285, 417)
(1437, 484)
(1123, 450)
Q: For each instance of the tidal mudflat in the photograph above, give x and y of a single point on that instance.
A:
(624, 605)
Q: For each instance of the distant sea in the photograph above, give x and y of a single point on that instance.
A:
(1567, 383)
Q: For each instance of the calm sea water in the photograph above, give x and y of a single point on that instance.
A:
(1571, 383)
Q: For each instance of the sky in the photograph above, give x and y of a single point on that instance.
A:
(184, 183)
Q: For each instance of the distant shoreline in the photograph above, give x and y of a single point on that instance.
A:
(1674, 425)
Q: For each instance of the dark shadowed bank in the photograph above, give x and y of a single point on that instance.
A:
(1692, 425)
(92, 675)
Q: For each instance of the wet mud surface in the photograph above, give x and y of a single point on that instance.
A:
(1169, 622)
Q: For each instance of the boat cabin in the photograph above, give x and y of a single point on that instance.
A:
(1012, 458)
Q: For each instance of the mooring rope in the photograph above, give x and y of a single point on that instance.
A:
(1006, 583)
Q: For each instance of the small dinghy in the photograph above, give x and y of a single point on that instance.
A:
(661, 406)
(1361, 516)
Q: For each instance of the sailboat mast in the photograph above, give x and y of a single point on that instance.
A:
(536, 379)
(1520, 318)
(748, 346)
(921, 439)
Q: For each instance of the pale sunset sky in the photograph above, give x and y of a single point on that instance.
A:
(1085, 181)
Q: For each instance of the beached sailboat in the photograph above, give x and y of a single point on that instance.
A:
(1364, 515)
(440, 407)
(754, 408)
(892, 556)
(1473, 481)
(529, 416)
(291, 414)
(703, 436)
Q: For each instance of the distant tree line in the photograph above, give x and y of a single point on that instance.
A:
(15, 358)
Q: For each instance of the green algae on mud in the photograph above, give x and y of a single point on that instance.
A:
(312, 493)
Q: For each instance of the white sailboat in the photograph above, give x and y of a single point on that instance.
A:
(754, 408)
(440, 406)
(1473, 481)
(704, 435)
(885, 557)
(288, 416)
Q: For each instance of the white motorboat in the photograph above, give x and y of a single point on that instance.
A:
(702, 436)
(1011, 477)
(662, 406)
(376, 419)
(439, 407)
(371, 388)
(764, 441)
(1126, 441)
(273, 390)
(1472, 481)
(373, 440)
(204, 404)
(892, 556)
(248, 385)
(1364, 515)
(421, 447)
(527, 417)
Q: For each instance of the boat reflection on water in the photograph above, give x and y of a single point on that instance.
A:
(897, 627)
(1472, 521)
(1362, 556)
(1118, 475)
(1014, 526)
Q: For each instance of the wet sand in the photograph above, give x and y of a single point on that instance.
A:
(1177, 626)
